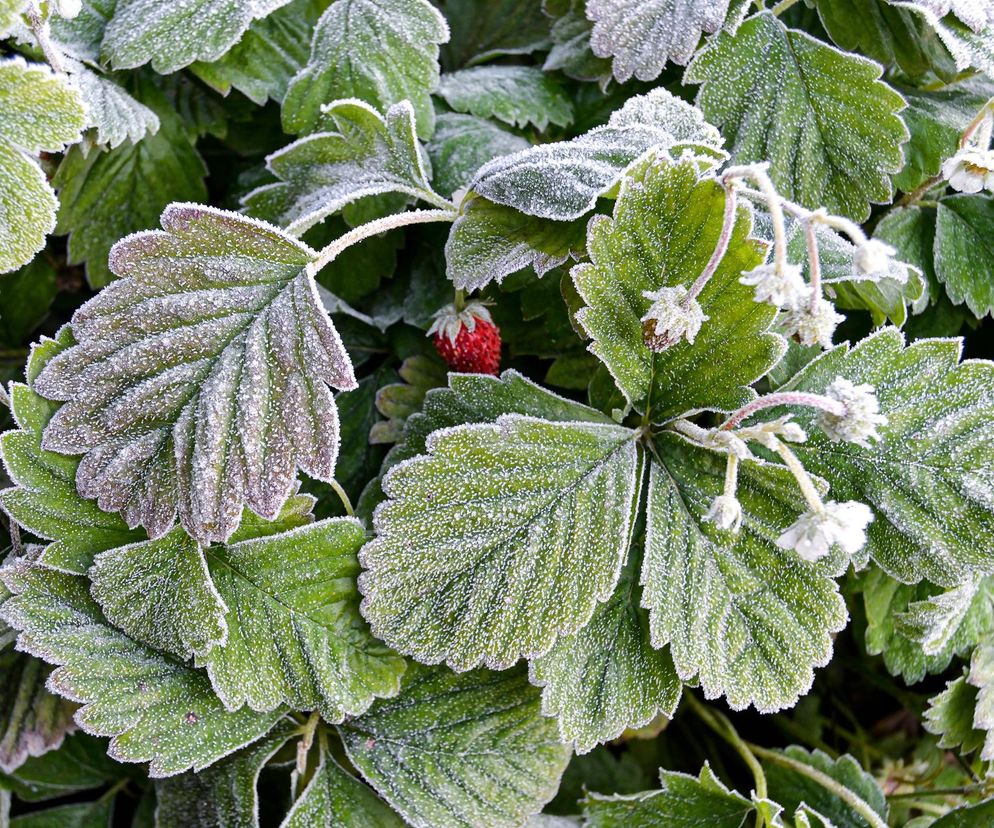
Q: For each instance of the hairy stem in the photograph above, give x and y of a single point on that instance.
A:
(981, 119)
(782, 6)
(774, 203)
(343, 497)
(731, 475)
(814, 263)
(916, 195)
(784, 398)
(40, 29)
(727, 226)
(801, 475)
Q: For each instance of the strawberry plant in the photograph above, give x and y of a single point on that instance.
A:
(489, 414)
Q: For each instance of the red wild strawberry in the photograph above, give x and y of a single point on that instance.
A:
(468, 340)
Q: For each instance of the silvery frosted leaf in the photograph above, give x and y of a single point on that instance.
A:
(945, 620)
(822, 118)
(643, 35)
(516, 95)
(39, 111)
(358, 153)
(200, 381)
(964, 258)
(981, 676)
(156, 709)
(380, 51)
(976, 14)
(500, 539)
(930, 479)
(462, 144)
(682, 800)
(336, 799)
(32, 720)
(44, 499)
(294, 633)
(10, 11)
(607, 677)
(748, 619)
(114, 114)
(969, 48)
(950, 716)
(664, 229)
(453, 751)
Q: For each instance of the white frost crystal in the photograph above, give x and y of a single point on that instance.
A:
(813, 326)
(669, 319)
(873, 257)
(783, 287)
(68, 8)
(813, 534)
(970, 170)
(862, 413)
(725, 513)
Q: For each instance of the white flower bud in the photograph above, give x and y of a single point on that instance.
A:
(862, 413)
(767, 434)
(785, 289)
(669, 320)
(728, 442)
(873, 257)
(725, 513)
(813, 327)
(970, 170)
(814, 533)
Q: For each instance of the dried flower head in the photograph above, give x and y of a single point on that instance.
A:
(725, 513)
(862, 413)
(813, 326)
(784, 287)
(670, 318)
(814, 533)
(873, 257)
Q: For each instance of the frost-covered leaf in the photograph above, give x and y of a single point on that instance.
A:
(224, 795)
(976, 14)
(570, 32)
(981, 676)
(200, 381)
(157, 710)
(643, 35)
(969, 48)
(172, 35)
(358, 153)
(747, 618)
(110, 110)
(501, 538)
(81, 763)
(964, 250)
(930, 480)
(44, 499)
(269, 54)
(965, 613)
(380, 51)
(967, 816)
(607, 677)
(462, 144)
(32, 720)
(664, 229)
(516, 95)
(10, 11)
(39, 111)
(459, 750)
(483, 31)
(950, 716)
(822, 118)
(294, 630)
(336, 799)
(682, 800)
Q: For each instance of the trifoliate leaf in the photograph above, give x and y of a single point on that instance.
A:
(750, 620)
(39, 111)
(157, 710)
(114, 114)
(224, 795)
(173, 35)
(200, 381)
(682, 800)
(516, 95)
(294, 633)
(929, 480)
(380, 52)
(358, 153)
(826, 123)
(964, 250)
(950, 717)
(607, 677)
(500, 539)
(483, 31)
(270, 53)
(32, 720)
(336, 799)
(459, 750)
(107, 195)
(570, 32)
(665, 227)
(44, 499)
(462, 144)
(643, 36)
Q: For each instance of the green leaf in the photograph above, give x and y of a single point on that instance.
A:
(950, 717)
(81, 763)
(357, 154)
(483, 31)
(157, 710)
(683, 800)
(32, 720)
(500, 539)
(607, 677)
(44, 499)
(824, 120)
(964, 250)
(25, 300)
(39, 111)
(295, 634)
(969, 48)
(929, 480)
(643, 36)
(10, 11)
(981, 676)
(462, 144)
(974, 15)
(336, 799)
(911, 232)
(380, 52)
(459, 750)
(570, 32)
(200, 382)
(516, 95)
(968, 816)
(269, 54)
(957, 619)
(664, 229)
(114, 114)
(96, 814)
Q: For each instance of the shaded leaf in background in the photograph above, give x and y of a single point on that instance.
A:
(462, 144)
(483, 31)
(25, 300)
(516, 95)
(964, 250)
(571, 53)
